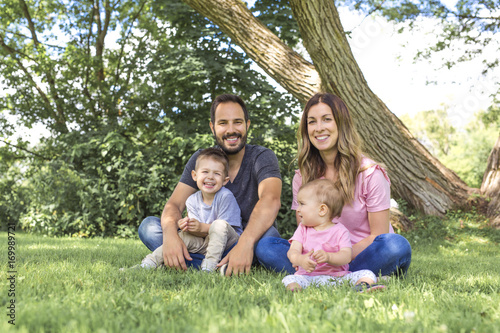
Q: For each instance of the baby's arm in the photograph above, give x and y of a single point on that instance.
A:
(298, 259)
(342, 257)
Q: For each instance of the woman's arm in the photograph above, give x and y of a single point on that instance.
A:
(379, 224)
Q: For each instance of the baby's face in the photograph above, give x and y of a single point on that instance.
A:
(309, 208)
(209, 176)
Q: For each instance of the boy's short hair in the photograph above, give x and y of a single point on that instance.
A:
(328, 193)
(217, 155)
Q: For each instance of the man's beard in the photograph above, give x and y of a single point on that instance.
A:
(231, 151)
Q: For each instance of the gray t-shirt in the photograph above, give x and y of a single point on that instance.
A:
(258, 163)
(224, 207)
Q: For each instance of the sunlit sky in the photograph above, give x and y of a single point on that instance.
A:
(386, 59)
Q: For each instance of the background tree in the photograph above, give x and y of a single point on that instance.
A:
(464, 150)
(433, 129)
(125, 88)
(491, 180)
(417, 176)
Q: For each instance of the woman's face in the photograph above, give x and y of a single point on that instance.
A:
(322, 128)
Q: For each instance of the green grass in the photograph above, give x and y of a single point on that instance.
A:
(73, 285)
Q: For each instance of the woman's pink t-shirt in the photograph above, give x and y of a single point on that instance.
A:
(372, 194)
(330, 240)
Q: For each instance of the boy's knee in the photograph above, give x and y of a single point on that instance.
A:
(218, 226)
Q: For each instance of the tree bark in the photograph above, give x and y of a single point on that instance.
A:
(287, 67)
(416, 175)
(491, 184)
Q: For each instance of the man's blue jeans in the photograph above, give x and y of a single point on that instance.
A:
(388, 254)
(151, 235)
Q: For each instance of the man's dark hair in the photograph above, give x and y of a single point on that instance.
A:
(224, 98)
(216, 154)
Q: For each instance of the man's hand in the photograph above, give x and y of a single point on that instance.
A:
(321, 256)
(175, 252)
(239, 259)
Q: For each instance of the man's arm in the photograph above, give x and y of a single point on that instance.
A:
(262, 218)
(174, 249)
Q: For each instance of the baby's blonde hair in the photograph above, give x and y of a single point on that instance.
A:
(328, 193)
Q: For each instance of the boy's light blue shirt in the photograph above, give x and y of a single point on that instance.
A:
(224, 207)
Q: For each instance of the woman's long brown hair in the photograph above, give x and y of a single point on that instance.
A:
(348, 160)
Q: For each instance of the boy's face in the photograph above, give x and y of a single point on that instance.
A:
(310, 208)
(209, 176)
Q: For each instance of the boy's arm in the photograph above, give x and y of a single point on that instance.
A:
(191, 223)
(174, 249)
(196, 228)
(240, 258)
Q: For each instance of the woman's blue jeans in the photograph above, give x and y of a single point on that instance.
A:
(388, 254)
(151, 235)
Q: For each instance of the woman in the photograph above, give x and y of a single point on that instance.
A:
(329, 147)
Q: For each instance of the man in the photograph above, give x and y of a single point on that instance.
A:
(254, 179)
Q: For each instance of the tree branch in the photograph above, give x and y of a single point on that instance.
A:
(286, 66)
(44, 97)
(28, 37)
(26, 150)
(60, 118)
(31, 25)
(127, 35)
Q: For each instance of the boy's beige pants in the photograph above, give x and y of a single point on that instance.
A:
(221, 236)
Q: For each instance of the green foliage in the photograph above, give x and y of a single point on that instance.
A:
(466, 150)
(123, 121)
(278, 17)
(434, 130)
(14, 196)
(100, 184)
(74, 285)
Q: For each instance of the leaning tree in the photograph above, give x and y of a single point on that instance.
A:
(491, 184)
(417, 176)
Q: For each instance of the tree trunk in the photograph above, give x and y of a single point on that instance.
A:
(416, 175)
(491, 184)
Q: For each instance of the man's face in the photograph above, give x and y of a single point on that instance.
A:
(230, 128)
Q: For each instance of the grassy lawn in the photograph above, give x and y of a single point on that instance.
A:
(73, 285)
